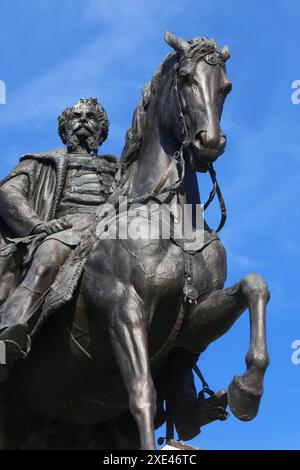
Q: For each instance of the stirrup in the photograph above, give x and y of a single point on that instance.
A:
(212, 408)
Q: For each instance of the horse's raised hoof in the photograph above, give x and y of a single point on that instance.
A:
(243, 400)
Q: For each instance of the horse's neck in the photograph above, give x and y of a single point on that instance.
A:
(153, 162)
(153, 165)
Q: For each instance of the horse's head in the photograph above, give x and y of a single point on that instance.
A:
(200, 87)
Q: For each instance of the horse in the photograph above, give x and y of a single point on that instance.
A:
(141, 300)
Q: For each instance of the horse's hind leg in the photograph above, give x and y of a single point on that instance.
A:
(127, 328)
(214, 316)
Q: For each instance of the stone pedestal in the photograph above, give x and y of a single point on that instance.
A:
(178, 445)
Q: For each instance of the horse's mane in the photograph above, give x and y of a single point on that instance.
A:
(134, 135)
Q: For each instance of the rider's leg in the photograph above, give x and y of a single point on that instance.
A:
(17, 310)
(42, 272)
(176, 384)
(183, 402)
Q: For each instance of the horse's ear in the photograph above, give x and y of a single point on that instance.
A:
(176, 43)
(226, 53)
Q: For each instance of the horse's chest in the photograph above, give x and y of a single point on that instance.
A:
(159, 265)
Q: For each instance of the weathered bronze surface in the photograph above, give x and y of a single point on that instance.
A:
(111, 328)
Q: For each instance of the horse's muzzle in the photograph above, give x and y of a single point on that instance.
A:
(203, 153)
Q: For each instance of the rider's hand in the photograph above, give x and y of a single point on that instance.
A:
(53, 226)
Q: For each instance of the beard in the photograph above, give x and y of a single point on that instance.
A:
(82, 137)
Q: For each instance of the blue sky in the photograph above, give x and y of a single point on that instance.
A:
(54, 52)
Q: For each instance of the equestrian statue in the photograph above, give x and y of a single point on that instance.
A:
(102, 331)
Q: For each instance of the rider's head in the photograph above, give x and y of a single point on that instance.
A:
(83, 126)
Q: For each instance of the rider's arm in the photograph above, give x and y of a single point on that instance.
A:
(15, 207)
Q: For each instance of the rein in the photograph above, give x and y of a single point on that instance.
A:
(216, 190)
(177, 157)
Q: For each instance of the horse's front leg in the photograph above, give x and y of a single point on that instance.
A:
(128, 333)
(214, 316)
(245, 391)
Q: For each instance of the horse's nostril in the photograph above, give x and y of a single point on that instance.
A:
(198, 137)
(207, 140)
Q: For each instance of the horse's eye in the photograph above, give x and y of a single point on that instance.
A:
(184, 77)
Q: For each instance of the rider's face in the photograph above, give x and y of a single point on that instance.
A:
(84, 127)
(84, 121)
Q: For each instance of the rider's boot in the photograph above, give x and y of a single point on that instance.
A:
(14, 345)
(183, 403)
(14, 339)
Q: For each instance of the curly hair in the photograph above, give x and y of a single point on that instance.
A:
(96, 106)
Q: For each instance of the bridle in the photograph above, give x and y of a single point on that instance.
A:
(178, 157)
(209, 58)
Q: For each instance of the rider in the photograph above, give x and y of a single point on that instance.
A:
(47, 203)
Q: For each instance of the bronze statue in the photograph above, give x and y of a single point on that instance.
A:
(128, 318)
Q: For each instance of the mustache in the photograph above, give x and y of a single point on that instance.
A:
(82, 126)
